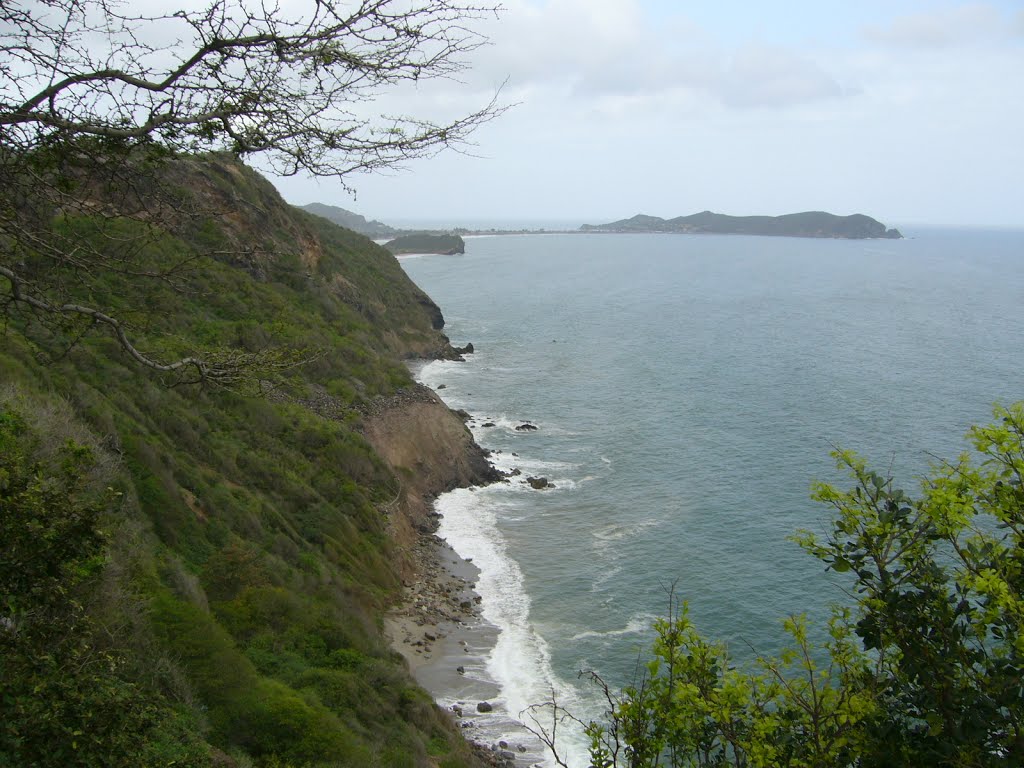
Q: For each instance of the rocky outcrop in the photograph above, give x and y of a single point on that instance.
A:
(425, 441)
(456, 353)
(433, 311)
(431, 451)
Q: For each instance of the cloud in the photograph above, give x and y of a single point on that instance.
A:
(628, 103)
(547, 41)
(615, 56)
(947, 27)
(766, 76)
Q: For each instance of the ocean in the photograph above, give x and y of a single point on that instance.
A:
(687, 389)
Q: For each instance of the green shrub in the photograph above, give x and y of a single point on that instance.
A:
(51, 559)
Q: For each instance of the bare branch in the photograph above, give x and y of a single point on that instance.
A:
(244, 78)
(93, 95)
(226, 371)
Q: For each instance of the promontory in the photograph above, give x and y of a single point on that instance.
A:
(807, 224)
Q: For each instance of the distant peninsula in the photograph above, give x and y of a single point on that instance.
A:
(807, 224)
(350, 220)
(427, 243)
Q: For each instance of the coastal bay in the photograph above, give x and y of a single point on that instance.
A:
(686, 392)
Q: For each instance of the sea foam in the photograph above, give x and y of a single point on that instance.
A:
(520, 662)
(702, 382)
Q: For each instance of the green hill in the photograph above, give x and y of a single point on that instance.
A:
(808, 224)
(221, 603)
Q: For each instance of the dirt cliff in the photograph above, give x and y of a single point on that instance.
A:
(431, 451)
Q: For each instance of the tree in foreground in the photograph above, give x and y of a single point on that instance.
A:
(95, 94)
(925, 668)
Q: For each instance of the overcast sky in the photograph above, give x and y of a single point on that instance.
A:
(911, 111)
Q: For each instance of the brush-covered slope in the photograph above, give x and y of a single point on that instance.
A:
(194, 576)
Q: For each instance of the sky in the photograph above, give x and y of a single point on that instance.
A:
(910, 111)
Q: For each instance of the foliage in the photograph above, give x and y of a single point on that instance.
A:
(940, 591)
(223, 605)
(65, 699)
(925, 668)
(246, 561)
(96, 98)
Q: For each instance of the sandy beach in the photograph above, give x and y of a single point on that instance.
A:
(444, 639)
(437, 625)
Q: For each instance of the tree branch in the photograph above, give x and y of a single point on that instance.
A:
(205, 370)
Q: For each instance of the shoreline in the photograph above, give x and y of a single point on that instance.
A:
(437, 626)
(440, 632)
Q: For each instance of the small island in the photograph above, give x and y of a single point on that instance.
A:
(427, 243)
(807, 224)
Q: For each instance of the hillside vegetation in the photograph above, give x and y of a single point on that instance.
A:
(194, 575)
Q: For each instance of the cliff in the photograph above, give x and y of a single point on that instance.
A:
(254, 542)
(431, 450)
(807, 224)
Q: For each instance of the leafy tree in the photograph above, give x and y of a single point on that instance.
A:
(925, 668)
(94, 94)
(940, 594)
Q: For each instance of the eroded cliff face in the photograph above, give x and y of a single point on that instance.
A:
(431, 451)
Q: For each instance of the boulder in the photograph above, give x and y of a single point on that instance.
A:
(526, 427)
(484, 706)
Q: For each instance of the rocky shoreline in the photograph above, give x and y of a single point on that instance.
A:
(438, 602)
(438, 629)
(437, 626)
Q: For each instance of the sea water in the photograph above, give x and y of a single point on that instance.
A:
(687, 389)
